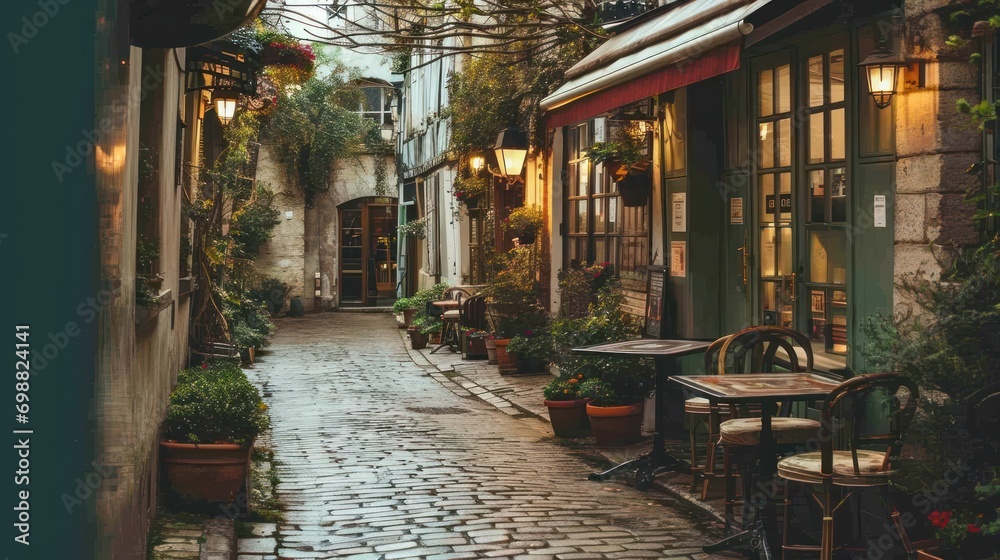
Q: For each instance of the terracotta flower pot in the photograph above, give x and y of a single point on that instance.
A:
(408, 317)
(205, 471)
(616, 426)
(491, 351)
(418, 340)
(569, 418)
(474, 347)
(506, 360)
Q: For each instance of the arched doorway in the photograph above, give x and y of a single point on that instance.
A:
(368, 251)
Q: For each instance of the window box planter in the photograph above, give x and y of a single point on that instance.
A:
(146, 313)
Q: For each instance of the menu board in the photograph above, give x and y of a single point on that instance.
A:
(656, 295)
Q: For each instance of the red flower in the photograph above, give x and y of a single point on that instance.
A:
(204, 366)
(939, 519)
(528, 333)
(973, 528)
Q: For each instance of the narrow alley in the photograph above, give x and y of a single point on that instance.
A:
(378, 459)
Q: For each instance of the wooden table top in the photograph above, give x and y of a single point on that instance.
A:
(646, 348)
(758, 387)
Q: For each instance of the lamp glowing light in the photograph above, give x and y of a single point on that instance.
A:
(225, 104)
(882, 68)
(511, 150)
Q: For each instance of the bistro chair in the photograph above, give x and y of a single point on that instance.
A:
(699, 412)
(869, 444)
(452, 318)
(740, 435)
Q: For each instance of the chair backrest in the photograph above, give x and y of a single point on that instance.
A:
(473, 312)
(890, 396)
(760, 345)
(712, 356)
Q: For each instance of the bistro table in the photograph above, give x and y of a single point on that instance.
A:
(664, 354)
(767, 389)
(450, 334)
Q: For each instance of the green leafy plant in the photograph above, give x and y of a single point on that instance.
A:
(624, 154)
(272, 293)
(524, 219)
(469, 188)
(215, 404)
(413, 228)
(630, 379)
(563, 388)
(147, 251)
(513, 292)
(532, 344)
(403, 304)
(579, 285)
(253, 225)
(600, 392)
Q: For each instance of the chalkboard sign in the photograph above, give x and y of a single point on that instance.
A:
(657, 323)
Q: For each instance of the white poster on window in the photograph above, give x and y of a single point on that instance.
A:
(880, 210)
(678, 258)
(736, 211)
(678, 212)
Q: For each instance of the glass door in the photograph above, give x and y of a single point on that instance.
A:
(773, 131)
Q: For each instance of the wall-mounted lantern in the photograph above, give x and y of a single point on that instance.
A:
(511, 150)
(225, 101)
(882, 69)
(477, 163)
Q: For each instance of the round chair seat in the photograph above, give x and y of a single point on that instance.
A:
(746, 431)
(700, 405)
(806, 468)
(451, 315)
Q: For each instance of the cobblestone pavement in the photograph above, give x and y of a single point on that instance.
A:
(382, 457)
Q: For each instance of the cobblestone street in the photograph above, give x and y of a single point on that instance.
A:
(381, 456)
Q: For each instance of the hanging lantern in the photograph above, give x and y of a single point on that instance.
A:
(511, 149)
(225, 104)
(882, 69)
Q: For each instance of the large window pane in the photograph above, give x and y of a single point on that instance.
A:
(784, 142)
(828, 257)
(600, 215)
(614, 223)
(581, 216)
(768, 202)
(837, 76)
(765, 93)
(766, 144)
(816, 138)
(816, 81)
(768, 251)
(785, 252)
(583, 177)
(837, 135)
(838, 194)
(784, 89)
(785, 199)
(817, 198)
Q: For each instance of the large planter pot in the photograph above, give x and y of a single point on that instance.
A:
(634, 189)
(506, 360)
(491, 351)
(418, 340)
(530, 365)
(205, 471)
(407, 318)
(569, 418)
(616, 426)
(474, 348)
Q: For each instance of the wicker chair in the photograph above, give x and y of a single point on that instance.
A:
(857, 466)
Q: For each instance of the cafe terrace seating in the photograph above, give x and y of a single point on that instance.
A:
(757, 350)
(866, 461)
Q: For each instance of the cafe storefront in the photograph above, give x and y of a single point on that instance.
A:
(774, 172)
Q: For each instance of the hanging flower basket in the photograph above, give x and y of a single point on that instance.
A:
(634, 189)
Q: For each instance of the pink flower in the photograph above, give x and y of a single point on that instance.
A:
(204, 366)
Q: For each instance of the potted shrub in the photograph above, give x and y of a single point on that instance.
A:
(512, 294)
(626, 158)
(414, 228)
(214, 415)
(470, 190)
(407, 307)
(524, 223)
(474, 344)
(567, 410)
(617, 386)
(533, 348)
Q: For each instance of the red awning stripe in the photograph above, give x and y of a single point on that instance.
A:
(712, 63)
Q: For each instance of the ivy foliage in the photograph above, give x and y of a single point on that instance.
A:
(316, 125)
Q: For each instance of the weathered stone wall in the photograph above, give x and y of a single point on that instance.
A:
(283, 256)
(309, 242)
(934, 146)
